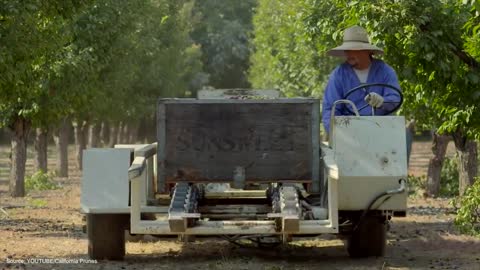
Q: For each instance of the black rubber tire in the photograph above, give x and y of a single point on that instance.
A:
(369, 239)
(106, 236)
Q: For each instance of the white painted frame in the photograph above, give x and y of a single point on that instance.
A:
(227, 227)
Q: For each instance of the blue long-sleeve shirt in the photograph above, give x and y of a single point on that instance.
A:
(344, 78)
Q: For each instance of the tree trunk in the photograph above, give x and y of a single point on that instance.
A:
(19, 157)
(120, 132)
(151, 133)
(467, 160)
(147, 130)
(105, 133)
(439, 149)
(113, 134)
(61, 142)
(467, 165)
(94, 135)
(142, 125)
(41, 145)
(132, 132)
(124, 132)
(81, 134)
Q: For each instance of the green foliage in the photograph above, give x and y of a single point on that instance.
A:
(468, 214)
(449, 182)
(40, 181)
(33, 35)
(285, 56)
(223, 29)
(89, 58)
(416, 184)
(134, 58)
(472, 27)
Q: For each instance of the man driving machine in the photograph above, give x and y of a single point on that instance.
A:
(371, 84)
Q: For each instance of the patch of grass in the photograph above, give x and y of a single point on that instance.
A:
(36, 203)
(468, 214)
(416, 184)
(40, 181)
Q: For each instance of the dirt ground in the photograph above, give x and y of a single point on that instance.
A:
(46, 227)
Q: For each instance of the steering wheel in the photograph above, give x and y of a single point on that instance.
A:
(366, 86)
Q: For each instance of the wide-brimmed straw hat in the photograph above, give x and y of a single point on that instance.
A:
(355, 38)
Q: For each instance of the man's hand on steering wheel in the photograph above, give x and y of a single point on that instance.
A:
(375, 100)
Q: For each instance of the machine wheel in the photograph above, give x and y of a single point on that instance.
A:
(369, 238)
(106, 236)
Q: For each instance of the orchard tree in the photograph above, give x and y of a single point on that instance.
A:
(32, 38)
(135, 51)
(88, 61)
(222, 29)
(285, 56)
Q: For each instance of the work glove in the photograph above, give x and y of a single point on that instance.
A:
(373, 99)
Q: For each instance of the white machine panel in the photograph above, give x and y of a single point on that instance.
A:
(370, 145)
(105, 186)
(371, 156)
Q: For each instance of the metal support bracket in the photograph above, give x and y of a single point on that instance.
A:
(288, 219)
(182, 207)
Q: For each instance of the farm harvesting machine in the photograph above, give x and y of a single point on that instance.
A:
(247, 164)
